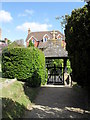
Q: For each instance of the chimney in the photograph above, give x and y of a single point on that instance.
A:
(6, 40)
(29, 31)
(0, 34)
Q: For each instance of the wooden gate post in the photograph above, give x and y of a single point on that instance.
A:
(64, 62)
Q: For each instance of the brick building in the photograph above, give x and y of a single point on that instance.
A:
(39, 39)
(3, 43)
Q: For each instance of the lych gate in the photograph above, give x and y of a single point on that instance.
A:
(54, 50)
(56, 76)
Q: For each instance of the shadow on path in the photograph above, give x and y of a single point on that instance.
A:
(59, 102)
(11, 109)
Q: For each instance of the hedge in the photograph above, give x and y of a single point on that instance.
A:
(77, 37)
(26, 64)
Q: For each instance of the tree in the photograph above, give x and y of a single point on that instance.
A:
(9, 42)
(77, 39)
(15, 44)
(31, 44)
(63, 20)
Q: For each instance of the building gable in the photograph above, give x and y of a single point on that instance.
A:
(39, 35)
(34, 41)
(45, 37)
(42, 37)
(59, 36)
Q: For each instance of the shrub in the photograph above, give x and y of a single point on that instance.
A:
(35, 80)
(26, 64)
(77, 39)
(31, 44)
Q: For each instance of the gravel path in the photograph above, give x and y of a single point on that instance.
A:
(59, 102)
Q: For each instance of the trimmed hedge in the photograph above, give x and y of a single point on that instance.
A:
(26, 64)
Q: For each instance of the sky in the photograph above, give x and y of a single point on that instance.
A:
(17, 17)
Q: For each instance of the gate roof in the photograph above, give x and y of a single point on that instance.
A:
(54, 50)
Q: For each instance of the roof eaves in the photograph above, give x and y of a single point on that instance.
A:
(33, 37)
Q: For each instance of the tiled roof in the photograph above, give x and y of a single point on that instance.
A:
(54, 49)
(39, 35)
(43, 45)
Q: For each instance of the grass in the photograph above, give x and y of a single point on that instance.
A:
(16, 98)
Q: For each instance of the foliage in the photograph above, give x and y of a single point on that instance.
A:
(52, 62)
(58, 62)
(31, 44)
(78, 43)
(20, 42)
(26, 64)
(15, 44)
(63, 20)
(69, 70)
(11, 109)
(35, 80)
(9, 42)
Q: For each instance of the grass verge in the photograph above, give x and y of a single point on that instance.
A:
(16, 98)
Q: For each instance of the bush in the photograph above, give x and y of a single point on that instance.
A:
(35, 80)
(26, 64)
(31, 44)
(77, 37)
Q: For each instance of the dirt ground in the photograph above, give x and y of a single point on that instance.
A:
(59, 102)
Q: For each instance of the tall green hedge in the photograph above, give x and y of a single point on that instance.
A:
(77, 37)
(26, 64)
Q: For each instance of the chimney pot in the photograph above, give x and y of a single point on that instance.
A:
(29, 31)
(6, 40)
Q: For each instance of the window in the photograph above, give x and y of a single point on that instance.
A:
(59, 37)
(45, 39)
(33, 41)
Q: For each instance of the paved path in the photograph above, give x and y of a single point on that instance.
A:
(59, 102)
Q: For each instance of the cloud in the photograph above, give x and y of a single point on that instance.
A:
(34, 26)
(22, 15)
(5, 16)
(26, 13)
(46, 20)
(29, 11)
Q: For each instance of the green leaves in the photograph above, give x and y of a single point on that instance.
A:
(31, 44)
(22, 63)
(77, 39)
